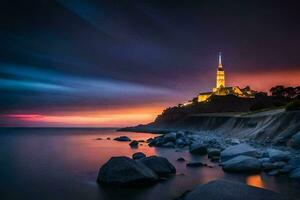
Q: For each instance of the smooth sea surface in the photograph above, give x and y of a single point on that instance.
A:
(63, 163)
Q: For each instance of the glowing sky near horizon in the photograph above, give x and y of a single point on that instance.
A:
(119, 63)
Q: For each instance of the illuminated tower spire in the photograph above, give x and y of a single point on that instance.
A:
(220, 60)
(220, 79)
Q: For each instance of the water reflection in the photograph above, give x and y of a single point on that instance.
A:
(64, 163)
(255, 180)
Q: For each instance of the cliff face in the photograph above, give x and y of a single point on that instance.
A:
(274, 126)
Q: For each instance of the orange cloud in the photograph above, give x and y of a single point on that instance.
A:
(107, 118)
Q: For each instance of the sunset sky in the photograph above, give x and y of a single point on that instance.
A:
(118, 63)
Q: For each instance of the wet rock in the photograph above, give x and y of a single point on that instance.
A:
(242, 164)
(181, 159)
(286, 169)
(168, 145)
(180, 134)
(228, 190)
(198, 148)
(215, 158)
(213, 153)
(122, 139)
(141, 141)
(274, 172)
(195, 164)
(149, 140)
(264, 160)
(279, 164)
(237, 150)
(169, 137)
(134, 144)
(295, 174)
(159, 165)
(278, 155)
(268, 166)
(138, 155)
(180, 143)
(232, 141)
(99, 139)
(126, 172)
(157, 141)
(108, 138)
(294, 162)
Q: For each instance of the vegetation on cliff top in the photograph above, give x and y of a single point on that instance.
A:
(279, 97)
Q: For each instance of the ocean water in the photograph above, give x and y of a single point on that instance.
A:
(61, 164)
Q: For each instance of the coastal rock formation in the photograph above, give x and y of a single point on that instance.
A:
(295, 174)
(125, 171)
(228, 190)
(169, 137)
(138, 155)
(181, 159)
(198, 148)
(213, 153)
(195, 164)
(236, 150)
(122, 139)
(159, 165)
(242, 164)
(268, 127)
(134, 144)
(278, 155)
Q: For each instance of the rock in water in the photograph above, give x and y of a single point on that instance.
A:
(213, 153)
(138, 155)
(237, 150)
(198, 148)
(123, 139)
(242, 164)
(134, 144)
(169, 137)
(195, 164)
(278, 155)
(125, 171)
(228, 190)
(181, 159)
(159, 165)
(168, 145)
(295, 173)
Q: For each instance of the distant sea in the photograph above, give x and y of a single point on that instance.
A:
(63, 163)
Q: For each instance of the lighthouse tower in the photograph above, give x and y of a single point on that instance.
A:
(220, 81)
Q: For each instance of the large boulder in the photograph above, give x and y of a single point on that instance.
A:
(294, 162)
(169, 137)
(213, 153)
(228, 190)
(198, 148)
(159, 165)
(122, 139)
(138, 155)
(278, 155)
(180, 142)
(168, 145)
(237, 150)
(180, 134)
(295, 173)
(125, 171)
(134, 144)
(242, 164)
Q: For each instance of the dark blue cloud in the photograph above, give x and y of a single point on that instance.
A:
(68, 54)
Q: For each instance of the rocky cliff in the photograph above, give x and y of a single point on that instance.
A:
(277, 126)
